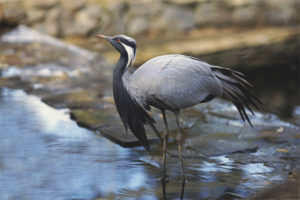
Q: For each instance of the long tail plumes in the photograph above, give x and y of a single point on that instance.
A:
(132, 114)
(236, 89)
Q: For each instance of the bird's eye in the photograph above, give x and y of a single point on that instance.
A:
(117, 39)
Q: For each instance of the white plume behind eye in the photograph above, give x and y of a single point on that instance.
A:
(130, 53)
(127, 38)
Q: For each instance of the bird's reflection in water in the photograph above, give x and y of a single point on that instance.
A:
(164, 185)
(182, 189)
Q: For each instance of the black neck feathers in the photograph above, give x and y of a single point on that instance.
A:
(132, 114)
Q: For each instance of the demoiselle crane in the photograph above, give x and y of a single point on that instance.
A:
(170, 82)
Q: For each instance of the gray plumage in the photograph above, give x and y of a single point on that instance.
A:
(174, 82)
(170, 82)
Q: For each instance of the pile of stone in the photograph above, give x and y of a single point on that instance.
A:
(65, 18)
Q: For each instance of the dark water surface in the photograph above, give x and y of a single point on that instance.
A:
(45, 155)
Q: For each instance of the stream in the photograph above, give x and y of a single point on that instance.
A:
(46, 155)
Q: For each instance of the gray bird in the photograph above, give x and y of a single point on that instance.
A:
(170, 82)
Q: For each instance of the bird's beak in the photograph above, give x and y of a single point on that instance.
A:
(102, 36)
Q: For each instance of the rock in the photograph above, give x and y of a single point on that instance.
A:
(184, 2)
(125, 139)
(35, 16)
(56, 68)
(238, 3)
(94, 118)
(107, 123)
(138, 26)
(73, 6)
(51, 25)
(81, 25)
(11, 13)
(211, 14)
(177, 19)
(85, 17)
(41, 4)
(114, 20)
(86, 20)
(245, 15)
(281, 13)
(74, 99)
(80, 20)
(141, 15)
(25, 35)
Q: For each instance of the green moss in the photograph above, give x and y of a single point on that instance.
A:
(93, 118)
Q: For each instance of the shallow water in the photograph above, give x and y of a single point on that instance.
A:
(45, 155)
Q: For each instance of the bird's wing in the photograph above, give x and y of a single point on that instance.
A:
(175, 82)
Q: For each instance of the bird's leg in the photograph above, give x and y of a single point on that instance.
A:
(166, 136)
(179, 140)
(165, 140)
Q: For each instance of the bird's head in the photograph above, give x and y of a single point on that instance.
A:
(124, 44)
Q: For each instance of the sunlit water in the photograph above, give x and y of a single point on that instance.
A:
(45, 155)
